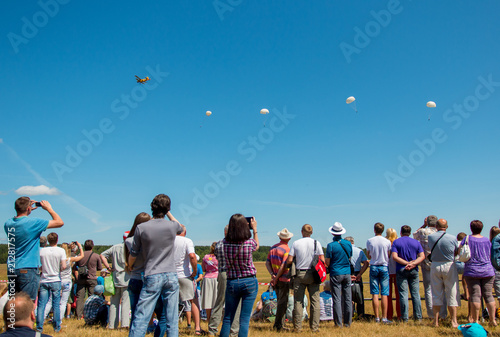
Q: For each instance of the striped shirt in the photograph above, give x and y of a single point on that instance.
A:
(238, 258)
(277, 256)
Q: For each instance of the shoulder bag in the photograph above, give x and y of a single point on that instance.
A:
(464, 252)
(318, 268)
(83, 271)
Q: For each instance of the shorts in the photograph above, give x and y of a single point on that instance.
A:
(379, 275)
(186, 289)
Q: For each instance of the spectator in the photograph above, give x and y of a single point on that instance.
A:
(120, 278)
(495, 259)
(479, 272)
(53, 261)
(26, 232)
(186, 266)
(378, 249)
(275, 265)
(326, 303)
(391, 235)
(209, 265)
(216, 314)
(265, 309)
(95, 310)
(86, 283)
(43, 241)
(135, 281)
(104, 273)
(241, 281)
(304, 251)
(154, 241)
(66, 280)
(19, 317)
(338, 262)
(408, 253)
(421, 235)
(290, 307)
(444, 275)
(460, 269)
(360, 264)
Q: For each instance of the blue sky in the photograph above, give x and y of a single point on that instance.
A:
(73, 118)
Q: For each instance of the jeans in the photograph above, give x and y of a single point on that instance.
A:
(166, 286)
(340, 286)
(379, 275)
(26, 280)
(134, 290)
(65, 291)
(46, 289)
(244, 289)
(409, 279)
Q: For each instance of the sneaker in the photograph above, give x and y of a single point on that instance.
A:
(386, 321)
(377, 320)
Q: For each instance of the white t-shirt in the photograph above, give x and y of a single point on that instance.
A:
(66, 273)
(51, 258)
(379, 248)
(303, 251)
(182, 248)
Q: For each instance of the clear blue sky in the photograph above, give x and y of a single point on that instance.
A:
(71, 72)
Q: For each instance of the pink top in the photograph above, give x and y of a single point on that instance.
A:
(210, 265)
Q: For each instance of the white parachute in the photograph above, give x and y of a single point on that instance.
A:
(208, 113)
(350, 100)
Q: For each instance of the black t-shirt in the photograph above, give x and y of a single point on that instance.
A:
(22, 331)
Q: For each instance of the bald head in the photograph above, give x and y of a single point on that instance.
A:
(183, 230)
(442, 225)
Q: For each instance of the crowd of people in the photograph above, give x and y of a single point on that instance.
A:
(155, 272)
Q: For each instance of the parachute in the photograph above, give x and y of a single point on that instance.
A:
(430, 104)
(264, 112)
(351, 99)
(208, 113)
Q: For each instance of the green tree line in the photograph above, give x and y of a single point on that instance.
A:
(259, 255)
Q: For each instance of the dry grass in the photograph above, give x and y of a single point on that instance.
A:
(72, 327)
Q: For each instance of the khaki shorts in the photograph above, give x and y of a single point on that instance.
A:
(444, 284)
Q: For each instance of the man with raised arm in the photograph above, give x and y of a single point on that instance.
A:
(23, 235)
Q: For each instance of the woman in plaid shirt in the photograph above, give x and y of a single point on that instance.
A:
(241, 281)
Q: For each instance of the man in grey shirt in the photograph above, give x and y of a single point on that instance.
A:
(154, 241)
(444, 275)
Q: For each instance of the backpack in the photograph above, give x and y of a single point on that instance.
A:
(83, 271)
(269, 305)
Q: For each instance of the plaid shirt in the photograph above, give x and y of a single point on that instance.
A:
(91, 308)
(277, 256)
(239, 262)
(422, 236)
(219, 253)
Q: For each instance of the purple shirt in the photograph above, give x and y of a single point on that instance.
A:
(239, 262)
(479, 264)
(407, 249)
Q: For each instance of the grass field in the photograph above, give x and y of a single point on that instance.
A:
(72, 327)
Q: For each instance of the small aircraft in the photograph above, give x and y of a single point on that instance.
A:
(141, 80)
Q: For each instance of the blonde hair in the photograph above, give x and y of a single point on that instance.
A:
(391, 234)
(66, 248)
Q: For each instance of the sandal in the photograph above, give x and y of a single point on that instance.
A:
(201, 333)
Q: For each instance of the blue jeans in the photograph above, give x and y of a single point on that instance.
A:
(134, 290)
(244, 289)
(165, 285)
(379, 275)
(409, 279)
(47, 289)
(26, 280)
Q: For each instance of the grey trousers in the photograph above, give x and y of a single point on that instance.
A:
(303, 280)
(342, 299)
(121, 294)
(216, 315)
